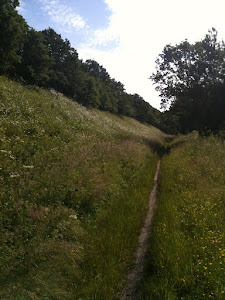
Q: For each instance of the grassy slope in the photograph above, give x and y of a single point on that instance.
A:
(74, 187)
(187, 248)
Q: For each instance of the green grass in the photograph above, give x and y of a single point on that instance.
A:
(114, 238)
(74, 188)
(186, 256)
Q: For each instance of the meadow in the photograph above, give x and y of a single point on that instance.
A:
(186, 255)
(74, 191)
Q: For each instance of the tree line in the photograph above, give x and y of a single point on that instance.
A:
(43, 58)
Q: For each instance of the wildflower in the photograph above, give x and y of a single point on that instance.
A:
(28, 167)
(14, 175)
(4, 151)
(73, 217)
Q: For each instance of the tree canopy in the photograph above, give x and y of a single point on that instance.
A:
(188, 77)
(13, 29)
(187, 69)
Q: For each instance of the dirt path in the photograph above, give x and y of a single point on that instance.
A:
(136, 275)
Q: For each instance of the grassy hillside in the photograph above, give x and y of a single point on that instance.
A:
(74, 188)
(187, 248)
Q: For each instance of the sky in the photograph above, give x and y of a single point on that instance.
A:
(126, 36)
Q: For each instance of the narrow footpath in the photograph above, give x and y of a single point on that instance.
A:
(135, 277)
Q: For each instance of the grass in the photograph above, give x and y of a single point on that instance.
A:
(186, 256)
(74, 187)
(74, 191)
(116, 240)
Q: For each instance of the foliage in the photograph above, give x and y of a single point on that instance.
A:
(191, 77)
(36, 63)
(65, 68)
(190, 70)
(13, 29)
(89, 94)
(10, 3)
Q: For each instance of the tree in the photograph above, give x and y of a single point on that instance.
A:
(13, 29)
(88, 95)
(10, 3)
(58, 48)
(189, 70)
(96, 70)
(191, 78)
(125, 106)
(36, 61)
(66, 65)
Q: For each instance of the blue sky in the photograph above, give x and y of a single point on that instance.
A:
(74, 20)
(126, 36)
(94, 13)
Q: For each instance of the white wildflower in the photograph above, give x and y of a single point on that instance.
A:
(4, 151)
(14, 175)
(28, 167)
(73, 217)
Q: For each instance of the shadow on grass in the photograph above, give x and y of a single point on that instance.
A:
(166, 147)
(159, 148)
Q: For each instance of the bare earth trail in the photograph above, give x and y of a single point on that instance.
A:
(136, 275)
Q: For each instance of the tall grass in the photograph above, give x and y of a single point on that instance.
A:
(74, 186)
(114, 238)
(186, 258)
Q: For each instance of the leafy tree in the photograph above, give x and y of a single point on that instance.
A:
(14, 3)
(125, 106)
(96, 70)
(187, 69)
(66, 65)
(191, 78)
(71, 68)
(89, 95)
(107, 100)
(36, 61)
(13, 29)
(10, 3)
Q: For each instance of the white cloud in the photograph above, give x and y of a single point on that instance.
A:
(142, 28)
(21, 8)
(62, 15)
